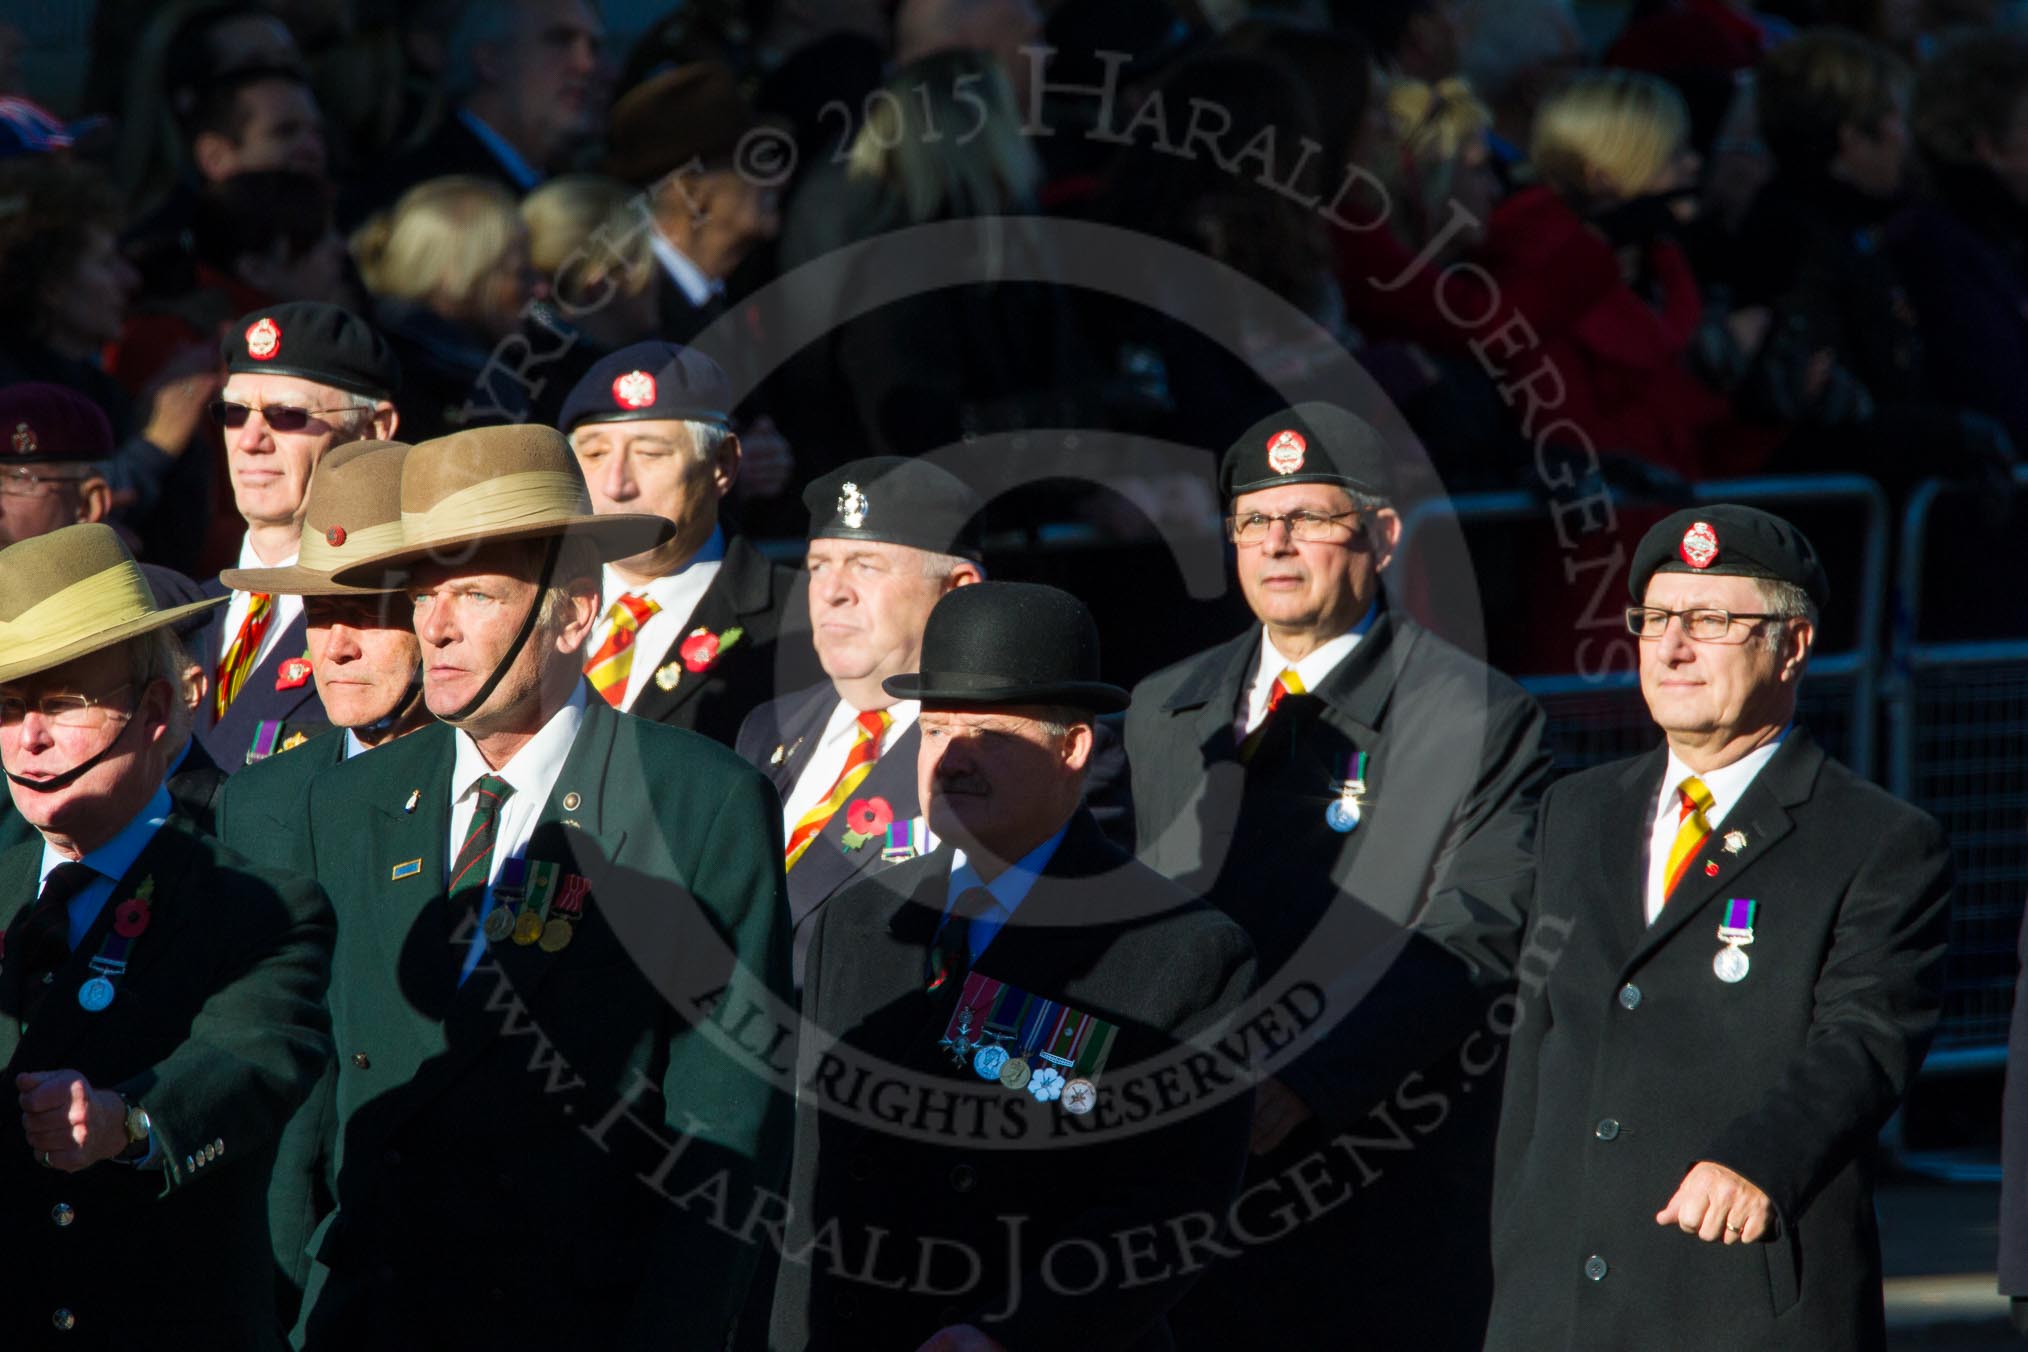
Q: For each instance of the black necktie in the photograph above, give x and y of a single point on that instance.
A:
(951, 951)
(45, 935)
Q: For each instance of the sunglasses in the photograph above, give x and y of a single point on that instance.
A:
(278, 417)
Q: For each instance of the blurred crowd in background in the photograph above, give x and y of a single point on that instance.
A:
(1652, 244)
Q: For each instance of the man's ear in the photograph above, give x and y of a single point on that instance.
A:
(725, 464)
(964, 575)
(1078, 744)
(1802, 637)
(385, 419)
(94, 500)
(1386, 535)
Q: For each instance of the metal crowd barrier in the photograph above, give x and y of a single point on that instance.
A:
(1958, 719)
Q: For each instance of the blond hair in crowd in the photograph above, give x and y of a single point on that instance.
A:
(914, 126)
(439, 241)
(563, 216)
(1609, 134)
(1439, 135)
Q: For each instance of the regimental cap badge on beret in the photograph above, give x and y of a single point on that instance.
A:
(852, 506)
(635, 389)
(1285, 451)
(1700, 545)
(24, 439)
(263, 339)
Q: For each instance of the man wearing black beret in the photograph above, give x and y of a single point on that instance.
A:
(1360, 796)
(1027, 996)
(301, 377)
(690, 632)
(889, 537)
(51, 438)
(1744, 944)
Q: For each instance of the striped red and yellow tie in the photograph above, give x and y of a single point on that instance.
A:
(873, 724)
(1693, 828)
(240, 656)
(1286, 684)
(613, 663)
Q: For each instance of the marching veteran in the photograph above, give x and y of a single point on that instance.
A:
(543, 906)
(689, 632)
(302, 377)
(363, 653)
(1742, 945)
(1359, 795)
(1022, 998)
(161, 999)
(888, 538)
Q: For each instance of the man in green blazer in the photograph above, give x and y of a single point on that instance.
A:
(558, 998)
(161, 998)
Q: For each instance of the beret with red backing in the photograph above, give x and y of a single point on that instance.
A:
(311, 340)
(42, 424)
(1725, 539)
(650, 381)
(1311, 443)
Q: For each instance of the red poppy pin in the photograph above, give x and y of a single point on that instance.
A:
(130, 918)
(865, 818)
(702, 649)
(294, 674)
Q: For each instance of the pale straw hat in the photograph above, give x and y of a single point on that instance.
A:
(73, 592)
(492, 484)
(353, 513)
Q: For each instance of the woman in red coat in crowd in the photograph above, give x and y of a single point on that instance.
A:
(1612, 163)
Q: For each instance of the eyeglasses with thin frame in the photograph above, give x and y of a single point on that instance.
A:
(278, 417)
(1703, 624)
(65, 711)
(1310, 527)
(22, 483)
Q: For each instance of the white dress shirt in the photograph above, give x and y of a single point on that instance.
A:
(1008, 890)
(676, 594)
(1725, 784)
(286, 608)
(833, 743)
(1311, 670)
(697, 288)
(532, 772)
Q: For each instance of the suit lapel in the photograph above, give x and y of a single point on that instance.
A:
(258, 699)
(407, 858)
(1761, 815)
(1623, 834)
(795, 737)
(827, 865)
(1209, 699)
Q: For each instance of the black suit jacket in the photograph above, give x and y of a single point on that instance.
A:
(450, 149)
(791, 726)
(1785, 1077)
(228, 740)
(1406, 929)
(196, 786)
(894, 1140)
(755, 595)
(219, 1029)
(263, 812)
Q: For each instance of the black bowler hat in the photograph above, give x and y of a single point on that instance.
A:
(995, 643)
(1313, 443)
(313, 341)
(894, 500)
(1729, 540)
(650, 381)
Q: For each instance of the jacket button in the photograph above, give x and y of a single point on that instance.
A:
(964, 1178)
(1595, 1268)
(362, 1060)
(1607, 1128)
(62, 1214)
(1630, 996)
(63, 1319)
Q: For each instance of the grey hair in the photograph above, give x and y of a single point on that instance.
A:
(939, 567)
(1058, 719)
(159, 656)
(577, 562)
(1782, 601)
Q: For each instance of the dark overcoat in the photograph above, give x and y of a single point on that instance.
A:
(270, 695)
(926, 1196)
(1633, 1061)
(1391, 940)
(218, 1029)
(546, 1154)
(753, 595)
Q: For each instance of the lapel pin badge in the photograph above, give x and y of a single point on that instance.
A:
(1735, 841)
(784, 751)
(414, 797)
(407, 870)
(571, 801)
(1711, 869)
(667, 675)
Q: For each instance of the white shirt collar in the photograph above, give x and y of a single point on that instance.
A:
(1312, 670)
(525, 175)
(533, 770)
(696, 287)
(1725, 784)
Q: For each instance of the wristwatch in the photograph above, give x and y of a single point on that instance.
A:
(138, 1128)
